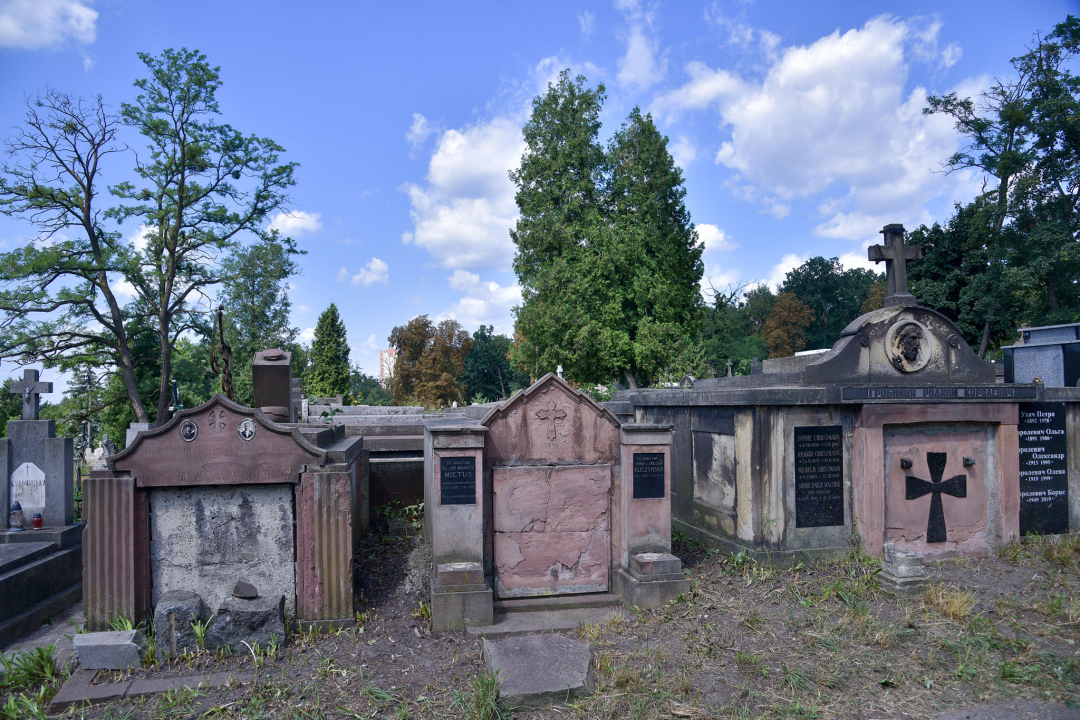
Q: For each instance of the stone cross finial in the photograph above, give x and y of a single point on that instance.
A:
(895, 254)
(29, 387)
(729, 367)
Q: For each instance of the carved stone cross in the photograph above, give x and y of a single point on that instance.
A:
(729, 367)
(895, 254)
(29, 387)
(955, 486)
(550, 413)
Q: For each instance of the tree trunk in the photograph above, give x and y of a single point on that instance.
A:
(985, 344)
(1051, 295)
(630, 382)
(165, 348)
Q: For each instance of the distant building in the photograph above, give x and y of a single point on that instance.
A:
(386, 365)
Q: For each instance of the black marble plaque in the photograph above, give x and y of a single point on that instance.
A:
(648, 475)
(1044, 469)
(819, 476)
(457, 480)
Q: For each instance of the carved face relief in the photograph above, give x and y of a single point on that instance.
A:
(908, 345)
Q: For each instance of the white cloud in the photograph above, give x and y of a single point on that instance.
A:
(715, 239)
(374, 272)
(342, 274)
(463, 215)
(296, 222)
(683, 150)
(951, 55)
(307, 335)
(780, 270)
(33, 24)
(717, 277)
(588, 24)
(372, 344)
(140, 237)
(833, 119)
(419, 131)
(484, 303)
(643, 65)
(303, 309)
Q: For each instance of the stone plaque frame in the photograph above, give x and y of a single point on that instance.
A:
(819, 476)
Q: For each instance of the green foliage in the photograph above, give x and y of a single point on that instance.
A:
(329, 371)
(487, 370)
(731, 329)
(606, 255)
(833, 294)
(366, 389)
(429, 361)
(255, 298)
(10, 406)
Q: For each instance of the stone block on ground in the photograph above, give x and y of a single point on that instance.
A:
(110, 650)
(173, 617)
(902, 571)
(241, 620)
(656, 564)
(536, 671)
(244, 589)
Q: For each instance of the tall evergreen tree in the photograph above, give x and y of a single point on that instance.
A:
(329, 371)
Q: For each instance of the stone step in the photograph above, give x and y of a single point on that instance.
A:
(385, 431)
(11, 629)
(528, 623)
(385, 420)
(27, 585)
(61, 537)
(558, 602)
(16, 554)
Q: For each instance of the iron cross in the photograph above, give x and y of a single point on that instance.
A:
(29, 387)
(955, 486)
(895, 254)
(550, 413)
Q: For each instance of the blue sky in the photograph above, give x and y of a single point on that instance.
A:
(798, 125)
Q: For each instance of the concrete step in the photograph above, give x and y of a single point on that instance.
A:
(530, 623)
(62, 537)
(27, 585)
(369, 431)
(16, 554)
(29, 620)
(558, 602)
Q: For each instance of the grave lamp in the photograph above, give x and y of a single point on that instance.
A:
(16, 519)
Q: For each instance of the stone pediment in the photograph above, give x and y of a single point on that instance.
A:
(217, 443)
(549, 423)
(900, 345)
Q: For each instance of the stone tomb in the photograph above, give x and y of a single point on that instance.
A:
(548, 495)
(219, 494)
(899, 433)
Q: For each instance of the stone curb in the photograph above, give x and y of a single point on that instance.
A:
(78, 690)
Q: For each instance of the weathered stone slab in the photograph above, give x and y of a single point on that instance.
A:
(540, 670)
(174, 615)
(655, 563)
(549, 563)
(110, 650)
(462, 573)
(241, 620)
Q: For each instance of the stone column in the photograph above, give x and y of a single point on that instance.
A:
(647, 574)
(456, 504)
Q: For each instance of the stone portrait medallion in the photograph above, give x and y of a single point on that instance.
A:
(189, 430)
(909, 345)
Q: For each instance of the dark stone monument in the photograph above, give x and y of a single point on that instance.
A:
(819, 476)
(895, 254)
(457, 480)
(648, 475)
(1044, 469)
(271, 384)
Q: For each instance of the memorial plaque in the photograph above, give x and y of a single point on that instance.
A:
(1044, 470)
(457, 480)
(819, 476)
(648, 475)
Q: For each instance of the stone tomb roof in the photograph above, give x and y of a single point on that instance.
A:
(548, 423)
(217, 443)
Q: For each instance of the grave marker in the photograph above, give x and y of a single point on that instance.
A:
(1044, 470)
(457, 480)
(917, 487)
(648, 475)
(30, 388)
(819, 476)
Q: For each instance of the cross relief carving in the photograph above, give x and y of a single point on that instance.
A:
(550, 412)
(955, 486)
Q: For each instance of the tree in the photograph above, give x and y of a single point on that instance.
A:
(366, 388)
(487, 371)
(834, 294)
(329, 372)
(256, 302)
(606, 256)
(429, 361)
(190, 198)
(785, 327)
(732, 326)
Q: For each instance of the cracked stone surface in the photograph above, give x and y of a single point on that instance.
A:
(540, 670)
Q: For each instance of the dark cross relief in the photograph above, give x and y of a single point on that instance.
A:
(955, 486)
(29, 387)
(550, 413)
(895, 254)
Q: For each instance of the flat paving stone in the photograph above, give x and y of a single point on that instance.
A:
(1019, 710)
(536, 671)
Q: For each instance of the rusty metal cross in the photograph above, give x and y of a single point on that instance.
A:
(550, 413)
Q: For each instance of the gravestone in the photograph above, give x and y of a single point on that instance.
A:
(1050, 353)
(819, 476)
(1044, 469)
(37, 465)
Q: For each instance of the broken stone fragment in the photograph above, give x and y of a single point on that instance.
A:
(174, 615)
(539, 670)
(110, 650)
(245, 589)
(239, 620)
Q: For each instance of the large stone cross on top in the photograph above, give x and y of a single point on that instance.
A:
(30, 387)
(895, 254)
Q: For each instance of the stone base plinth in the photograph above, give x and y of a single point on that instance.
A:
(455, 607)
(901, 585)
(645, 591)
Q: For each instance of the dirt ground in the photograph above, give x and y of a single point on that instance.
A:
(750, 641)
